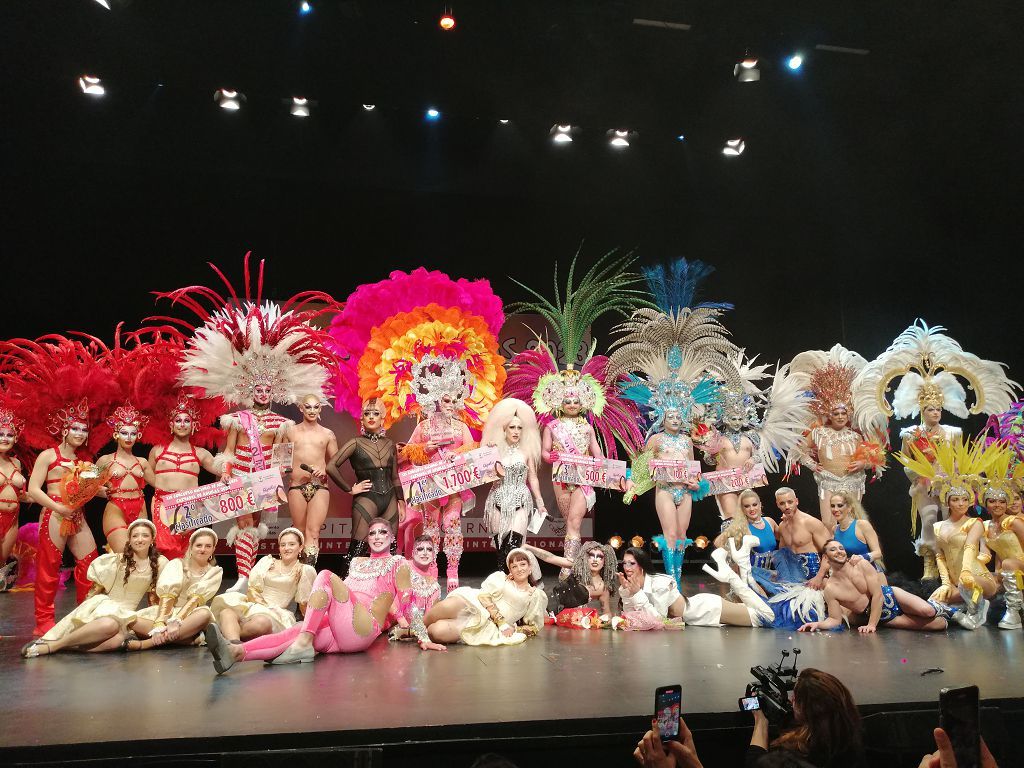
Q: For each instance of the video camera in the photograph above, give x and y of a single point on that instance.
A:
(773, 687)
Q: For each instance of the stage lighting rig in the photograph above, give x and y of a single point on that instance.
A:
(620, 138)
(299, 106)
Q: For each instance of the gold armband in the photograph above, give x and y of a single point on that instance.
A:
(497, 618)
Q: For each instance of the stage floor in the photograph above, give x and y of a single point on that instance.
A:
(117, 703)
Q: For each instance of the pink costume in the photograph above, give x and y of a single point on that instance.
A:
(335, 626)
(443, 515)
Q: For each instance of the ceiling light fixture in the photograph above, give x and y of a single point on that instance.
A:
(447, 20)
(734, 147)
(369, 107)
(562, 134)
(746, 70)
(300, 106)
(305, 8)
(620, 138)
(433, 115)
(228, 99)
(795, 61)
(91, 85)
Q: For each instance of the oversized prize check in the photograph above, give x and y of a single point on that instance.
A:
(574, 469)
(219, 501)
(735, 480)
(674, 470)
(451, 475)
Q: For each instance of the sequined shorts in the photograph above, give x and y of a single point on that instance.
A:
(308, 490)
(890, 608)
(811, 563)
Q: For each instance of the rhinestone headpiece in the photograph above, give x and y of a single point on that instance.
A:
(434, 376)
(8, 420)
(63, 418)
(127, 416)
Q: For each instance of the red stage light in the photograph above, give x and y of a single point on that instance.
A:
(447, 22)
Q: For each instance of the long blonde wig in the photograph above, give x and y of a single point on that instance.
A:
(500, 417)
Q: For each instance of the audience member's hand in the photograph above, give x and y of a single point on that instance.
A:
(944, 757)
(651, 751)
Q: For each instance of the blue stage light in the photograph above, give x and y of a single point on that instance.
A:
(795, 61)
(305, 8)
(433, 114)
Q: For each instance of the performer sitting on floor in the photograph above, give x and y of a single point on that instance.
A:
(274, 585)
(513, 497)
(425, 589)
(124, 490)
(120, 581)
(858, 593)
(506, 609)
(341, 616)
(313, 446)
(184, 588)
(1004, 536)
(375, 494)
(652, 601)
(593, 577)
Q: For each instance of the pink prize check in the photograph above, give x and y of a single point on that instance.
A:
(736, 480)
(216, 502)
(674, 470)
(588, 470)
(447, 476)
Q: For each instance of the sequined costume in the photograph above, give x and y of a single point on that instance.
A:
(271, 591)
(113, 597)
(509, 504)
(376, 591)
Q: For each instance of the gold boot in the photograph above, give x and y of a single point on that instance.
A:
(931, 571)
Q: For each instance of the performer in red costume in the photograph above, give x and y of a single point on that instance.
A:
(12, 494)
(48, 382)
(126, 501)
(252, 354)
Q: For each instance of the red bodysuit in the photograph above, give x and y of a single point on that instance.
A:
(172, 545)
(9, 507)
(132, 501)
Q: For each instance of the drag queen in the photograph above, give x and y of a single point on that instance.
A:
(341, 616)
(837, 454)
(185, 587)
(1004, 537)
(120, 581)
(652, 601)
(927, 360)
(440, 387)
(582, 411)
(254, 354)
(273, 586)
(124, 490)
(593, 577)
(60, 386)
(674, 389)
(174, 466)
(12, 493)
(308, 497)
(424, 344)
(374, 460)
(512, 428)
(507, 609)
(425, 589)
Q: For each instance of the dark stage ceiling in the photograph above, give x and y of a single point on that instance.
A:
(867, 178)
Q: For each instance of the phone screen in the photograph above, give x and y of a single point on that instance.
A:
(958, 716)
(667, 702)
(749, 703)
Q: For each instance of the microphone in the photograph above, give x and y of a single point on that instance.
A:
(307, 468)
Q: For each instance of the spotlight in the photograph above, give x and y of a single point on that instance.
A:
(228, 99)
(369, 107)
(746, 71)
(305, 8)
(562, 134)
(503, 122)
(681, 137)
(734, 147)
(91, 85)
(795, 61)
(620, 138)
(701, 542)
(615, 541)
(104, 3)
(433, 114)
(300, 106)
(636, 541)
(447, 21)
